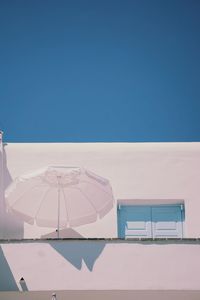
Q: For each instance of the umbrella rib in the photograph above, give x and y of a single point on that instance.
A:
(32, 188)
(65, 204)
(86, 197)
(41, 203)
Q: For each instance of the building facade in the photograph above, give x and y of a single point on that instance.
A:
(148, 243)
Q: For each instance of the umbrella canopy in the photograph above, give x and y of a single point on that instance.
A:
(60, 197)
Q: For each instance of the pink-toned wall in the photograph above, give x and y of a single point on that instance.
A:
(99, 295)
(101, 265)
(138, 172)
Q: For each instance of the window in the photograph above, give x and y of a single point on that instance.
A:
(156, 221)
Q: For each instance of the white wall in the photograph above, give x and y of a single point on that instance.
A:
(162, 172)
(99, 265)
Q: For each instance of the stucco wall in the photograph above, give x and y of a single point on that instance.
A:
(100, 265)
(138, 172)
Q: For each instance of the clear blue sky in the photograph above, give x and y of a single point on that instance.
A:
(100, 70)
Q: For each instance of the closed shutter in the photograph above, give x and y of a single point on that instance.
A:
(160, 221)
(134, 221)
(167, 221)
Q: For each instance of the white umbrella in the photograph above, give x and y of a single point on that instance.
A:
(60, 197)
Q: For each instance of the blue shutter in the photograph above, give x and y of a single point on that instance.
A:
(134, 222)
(163, 221)
(167, 221)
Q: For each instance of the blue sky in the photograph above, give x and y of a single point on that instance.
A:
(100, 70)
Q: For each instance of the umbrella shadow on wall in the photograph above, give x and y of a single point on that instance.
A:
(7, 281)
(11, 226)
(78, 251)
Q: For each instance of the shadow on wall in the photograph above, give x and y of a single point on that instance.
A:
(7, 281)
(63, 233)
(10, 225)
(76, 252)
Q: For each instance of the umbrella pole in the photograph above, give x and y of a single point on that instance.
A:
(58, 228)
